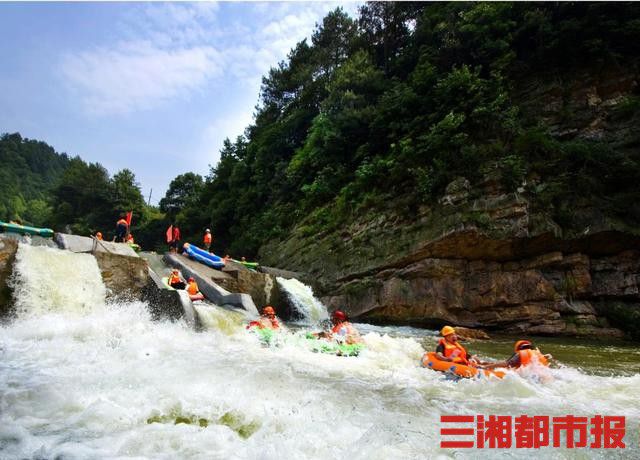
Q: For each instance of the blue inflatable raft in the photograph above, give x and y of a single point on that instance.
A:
(202, 256)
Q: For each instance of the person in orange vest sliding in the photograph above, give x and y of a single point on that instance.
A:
(175, 281)
(343, 330)
(122, 228)
(449, 349)
(207, 239)
(524, 356)
(267, 320)
(193, 290)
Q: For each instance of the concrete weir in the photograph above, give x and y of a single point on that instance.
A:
(209, 288)
(129, 277)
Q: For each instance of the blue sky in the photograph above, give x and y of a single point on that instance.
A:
(153, 87)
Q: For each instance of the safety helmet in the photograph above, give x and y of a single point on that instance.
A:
(268, 310)
(339, 315)
(521, 343)
(208, 231)
(447, 330)
(191, 279)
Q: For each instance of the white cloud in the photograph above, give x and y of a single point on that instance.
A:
(170, 50)
(138, 76)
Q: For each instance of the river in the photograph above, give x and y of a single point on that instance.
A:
(82, 378)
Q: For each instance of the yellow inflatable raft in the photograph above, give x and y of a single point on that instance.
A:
(430, 360)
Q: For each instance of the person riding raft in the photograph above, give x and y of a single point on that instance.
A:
(267, 320)
(343, 330)
(449, 349)
(193, 290)
(524, 355)
(175, 281)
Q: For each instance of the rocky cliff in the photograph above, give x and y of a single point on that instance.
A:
(482, 256)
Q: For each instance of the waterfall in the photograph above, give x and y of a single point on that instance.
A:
(304, 302)
(50, 280)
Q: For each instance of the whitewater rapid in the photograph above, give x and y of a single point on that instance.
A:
(109, 382)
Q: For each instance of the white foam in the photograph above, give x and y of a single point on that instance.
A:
(48, 280)
(306, 304)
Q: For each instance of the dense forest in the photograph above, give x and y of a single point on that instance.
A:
(393, 105)
(386, 107)
(43, 188)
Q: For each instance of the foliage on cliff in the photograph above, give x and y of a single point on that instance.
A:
(398, 102)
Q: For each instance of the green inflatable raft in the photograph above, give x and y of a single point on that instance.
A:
(25, 230)
(334, 348)
(250, 265)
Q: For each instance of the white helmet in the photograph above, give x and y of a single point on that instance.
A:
(208, 231)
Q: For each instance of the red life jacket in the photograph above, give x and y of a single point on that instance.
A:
(528, 356)
(207, 238)
(173, 279)
(455, 351)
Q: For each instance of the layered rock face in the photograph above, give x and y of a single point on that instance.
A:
(485, 257)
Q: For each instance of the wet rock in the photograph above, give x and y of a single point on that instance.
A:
(8, 248)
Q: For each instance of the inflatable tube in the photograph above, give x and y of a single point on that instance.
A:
(25, 230)
(430, 360)
(250, 265)
(334, 348)
(202, 256)
(165, 281)
(265, 334)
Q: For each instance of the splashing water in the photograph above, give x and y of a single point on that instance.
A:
(301, 296)
(49, 280)
(113, 383)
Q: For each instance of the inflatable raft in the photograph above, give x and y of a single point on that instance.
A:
(202, 256)
(250, 265)
(198, 296)
(430, 360)
(135, 247)
(25, 230)
(334, 348)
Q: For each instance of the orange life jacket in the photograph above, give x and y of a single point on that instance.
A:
(193, 288)
(174, 279)
(207, 238)
(351, 335)
(350, 329)
(529, 355)
(454, 351)
(264, 322)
